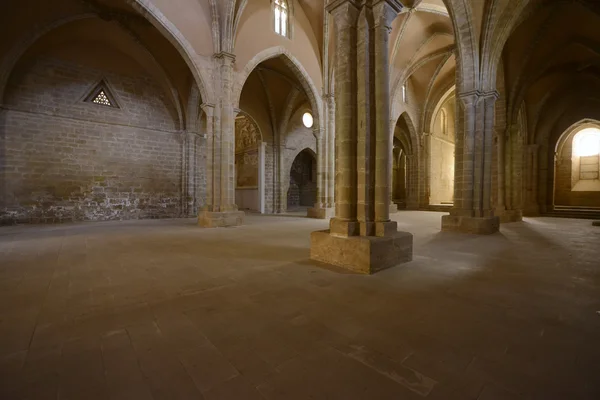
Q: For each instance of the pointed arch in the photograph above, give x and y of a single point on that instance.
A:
(181, 44)
(297, 69)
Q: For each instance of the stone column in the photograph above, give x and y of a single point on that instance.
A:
(393, 208)
(189, 173)
(412, 182)
(532, 206)
(472, 211)
(383, 15)
(323, 208)
(361, 236)
(220, 208)
(331, 152)
(501, 206)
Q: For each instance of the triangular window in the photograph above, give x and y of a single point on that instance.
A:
(101, 95)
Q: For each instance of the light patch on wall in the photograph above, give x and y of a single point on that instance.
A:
(307, 120)
(587, 143)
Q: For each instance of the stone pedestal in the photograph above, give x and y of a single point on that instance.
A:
(480, 226)
(507, 216)
(532, 210)
(362, 254)
(211, 219)
(320, 212)
(393, 208)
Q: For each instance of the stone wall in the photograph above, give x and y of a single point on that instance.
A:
(69, 160)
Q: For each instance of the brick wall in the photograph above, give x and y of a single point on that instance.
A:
(66, 160)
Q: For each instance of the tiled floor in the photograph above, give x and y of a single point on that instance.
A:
(167, 310)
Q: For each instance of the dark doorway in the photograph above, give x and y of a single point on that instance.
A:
(303, 181)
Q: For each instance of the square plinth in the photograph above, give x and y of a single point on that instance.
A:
(209, 219)
(363, 254)
(479, 226)
(320, 213)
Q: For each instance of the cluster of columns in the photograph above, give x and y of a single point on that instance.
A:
(361, 236)
(220, 208)
(324, 207)
(472, 211)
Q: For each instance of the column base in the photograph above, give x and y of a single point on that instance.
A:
(479, 226)
(507, 216)
(211, 219)
(363, 254)
(532, 211)
(320, 213)
(393, 208)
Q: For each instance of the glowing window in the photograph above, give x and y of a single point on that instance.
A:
(281, 17)
(307, 120)
(587, 143)
(102, 99)
(404, 93)
(586, 152)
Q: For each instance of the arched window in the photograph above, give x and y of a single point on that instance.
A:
(444, 121)
(404, 93)
(282, 13)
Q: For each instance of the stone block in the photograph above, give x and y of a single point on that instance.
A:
(393, 208)
(363, 254)
(208, 219)
(320, 213)
(507, 216)
(480, 226)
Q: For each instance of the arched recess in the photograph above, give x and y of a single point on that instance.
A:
(577, 166)
(299, 72)
(130, 159)
(405, 138)
(302, 188)
(196, 65)
(441, 150)
(249, 164)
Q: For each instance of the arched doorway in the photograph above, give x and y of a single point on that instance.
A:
(249, 165)
(302, 191)
(399, 174)
(577, 167)
(441, 152)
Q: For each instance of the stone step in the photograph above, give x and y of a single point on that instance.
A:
(574, 212)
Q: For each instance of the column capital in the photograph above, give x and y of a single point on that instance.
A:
(384, 11)
(474, 96)
(208, 108)
(344, 12)
(223, 55)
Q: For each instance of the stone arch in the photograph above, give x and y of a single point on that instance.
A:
(439, 151)
(20, 49)
(307, 84)
(249, 163)
(413, 173)
(181, 44)
(575, 178)
(467, 62)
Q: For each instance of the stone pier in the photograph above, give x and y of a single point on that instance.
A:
(361, 236)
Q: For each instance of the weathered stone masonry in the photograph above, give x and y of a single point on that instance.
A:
(67, 160)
